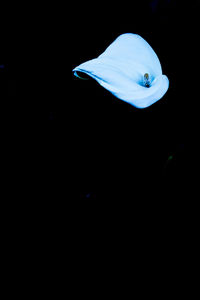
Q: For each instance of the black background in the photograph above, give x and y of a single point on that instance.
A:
(75, 138)
(122, 151)
(89, 186)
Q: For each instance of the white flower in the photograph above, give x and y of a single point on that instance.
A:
(130, 69)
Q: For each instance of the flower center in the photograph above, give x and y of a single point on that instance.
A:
(147, 81)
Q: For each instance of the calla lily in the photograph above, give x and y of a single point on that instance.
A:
(130, 69)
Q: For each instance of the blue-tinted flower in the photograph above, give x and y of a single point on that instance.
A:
(130, 69)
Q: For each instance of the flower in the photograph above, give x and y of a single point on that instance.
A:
(130, 69)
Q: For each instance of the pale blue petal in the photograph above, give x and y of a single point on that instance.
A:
(121, 68)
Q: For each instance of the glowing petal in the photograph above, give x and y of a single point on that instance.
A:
(130, 69)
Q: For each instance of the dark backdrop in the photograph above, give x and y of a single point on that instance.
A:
(77, 140)
(123, 151)
(64, 140)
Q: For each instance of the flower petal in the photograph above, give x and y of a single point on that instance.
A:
(121, 68)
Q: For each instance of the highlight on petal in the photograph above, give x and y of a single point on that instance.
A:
(130, 69)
